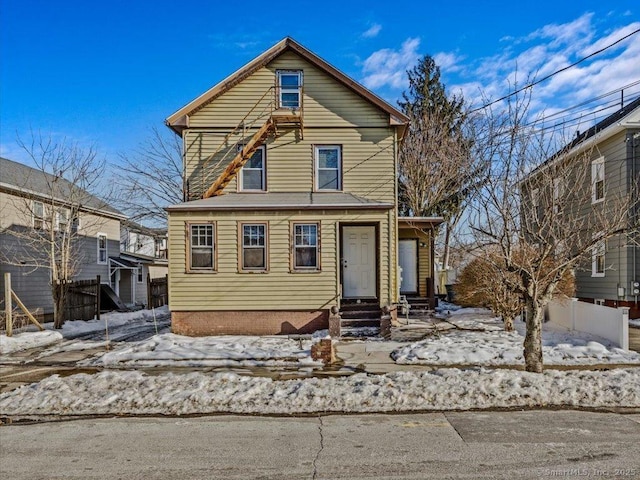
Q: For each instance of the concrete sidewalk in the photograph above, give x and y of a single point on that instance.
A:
(373, 357)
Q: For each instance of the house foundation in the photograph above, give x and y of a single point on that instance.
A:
(268, 322)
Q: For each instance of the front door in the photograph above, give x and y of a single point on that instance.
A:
(359, 262)
(408, 256)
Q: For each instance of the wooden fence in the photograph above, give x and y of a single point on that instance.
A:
(82, 299)
(157, 291)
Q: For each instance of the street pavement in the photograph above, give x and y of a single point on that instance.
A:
(471, 445)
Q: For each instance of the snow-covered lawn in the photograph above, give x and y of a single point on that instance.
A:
(494, 346)
(75, 328)
(169, 349)
(26, 340)
(130, 392)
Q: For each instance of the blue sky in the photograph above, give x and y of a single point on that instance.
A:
(106, 72)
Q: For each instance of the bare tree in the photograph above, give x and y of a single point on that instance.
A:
(51, 202)
(437, 173)
(536, 214)
(483, 282)
(153, 178)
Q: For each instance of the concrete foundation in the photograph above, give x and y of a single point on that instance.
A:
(248, 322)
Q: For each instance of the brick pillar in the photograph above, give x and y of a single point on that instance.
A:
(323, 351)
(334, 323)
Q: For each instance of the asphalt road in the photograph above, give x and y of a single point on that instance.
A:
(473, 445)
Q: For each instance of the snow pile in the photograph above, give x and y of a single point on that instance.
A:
(169, 349)
(497, 347)
(130, 392)
(75, 328)
(634, 322)
(24, 341)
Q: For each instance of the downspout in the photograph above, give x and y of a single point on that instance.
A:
(636, 208)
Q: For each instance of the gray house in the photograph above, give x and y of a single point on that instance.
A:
(612, 275)
(36, 206)
(145, 249)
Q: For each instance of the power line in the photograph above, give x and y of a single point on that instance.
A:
(556, 72)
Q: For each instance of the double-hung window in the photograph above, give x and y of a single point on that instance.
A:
(306, 246)
(62, 220)
(328, 167)
(289, 88)
(597, 180)
(598, 259)
(253, 174)
(38, 215)
(201, 246)
(102, 248)
(140, 274)
(254, 247)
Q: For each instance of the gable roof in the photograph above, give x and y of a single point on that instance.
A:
(626, 117)
(22, 178)
(617, 119)
(177, 120)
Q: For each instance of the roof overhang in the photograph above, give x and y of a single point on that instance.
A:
(281, 201)
(178, 121)
(33, 195)
(419, 222)
(629, 119)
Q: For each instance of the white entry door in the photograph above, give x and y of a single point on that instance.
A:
(359, 262)
(408, 255)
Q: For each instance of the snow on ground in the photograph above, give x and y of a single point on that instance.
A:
(169, 349)
(634, 322)
(131, 392)
(494, 346)
(26, 340)
(75, 328)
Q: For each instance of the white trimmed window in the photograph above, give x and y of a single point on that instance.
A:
(37, 214)
(140, 275)
(598, 259)
(62, 220)
(75, 224)
(254, 247)
(253, 175)
(201, 246)
(306, 246)
(289, 88)
(102, 248)
(328, 167)
(597, 180)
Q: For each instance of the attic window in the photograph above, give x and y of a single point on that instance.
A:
(289, 88)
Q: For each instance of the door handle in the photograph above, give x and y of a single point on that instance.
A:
(344, 263)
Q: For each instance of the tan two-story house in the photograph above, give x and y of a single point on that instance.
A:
(290, 208)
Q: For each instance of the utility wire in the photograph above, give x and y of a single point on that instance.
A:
(555, 73)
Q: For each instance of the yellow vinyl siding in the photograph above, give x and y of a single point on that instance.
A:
(424, 255)
(326, 102)
(367, 160)
(279, 289)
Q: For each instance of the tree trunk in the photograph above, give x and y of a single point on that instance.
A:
(508, 323)
(447, 239)
(59, 300)
(533, 338)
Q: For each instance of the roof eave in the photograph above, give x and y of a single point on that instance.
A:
(228, 208)
(178, 120)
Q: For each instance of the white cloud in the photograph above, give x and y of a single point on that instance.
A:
(373, 31)
(388, 67)
(448, 61)
(551, 48)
